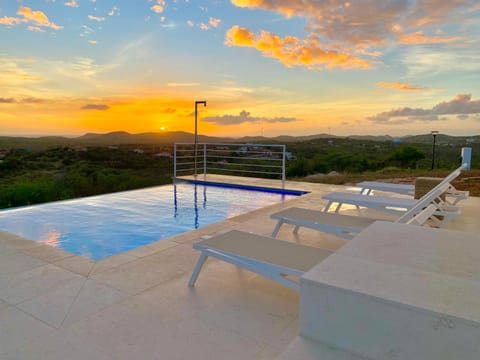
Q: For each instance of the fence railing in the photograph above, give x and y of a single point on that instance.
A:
(258, 160)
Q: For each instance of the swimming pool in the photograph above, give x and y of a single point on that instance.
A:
(105, 225)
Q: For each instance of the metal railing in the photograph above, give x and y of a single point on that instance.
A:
(259, 160)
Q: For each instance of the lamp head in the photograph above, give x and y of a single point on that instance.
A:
(203, 102)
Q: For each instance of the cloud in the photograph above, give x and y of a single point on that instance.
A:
(114, 11)
(159, 7)
(10, 21)
(7, 101)
(400, 86)
(32, 101)
(95, 18)
(214, 22)
(95, 107)
(92, 42)
(72, 3)
(292, 51)
(175, 84)
(37, 18)
(21, 101)
(419, 38)
(169, 111)
(244, 117)
(462, 106)
(35, 29)
(348, 29)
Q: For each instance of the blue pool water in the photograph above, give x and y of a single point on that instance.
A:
(101, 226)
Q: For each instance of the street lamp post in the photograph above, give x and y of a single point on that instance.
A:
(204, 103)
(434, 134)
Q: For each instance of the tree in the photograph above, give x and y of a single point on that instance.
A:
(407, 156)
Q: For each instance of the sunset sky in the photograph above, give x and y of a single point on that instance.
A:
(271, 67)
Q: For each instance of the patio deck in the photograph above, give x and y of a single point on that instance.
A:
(54, 305)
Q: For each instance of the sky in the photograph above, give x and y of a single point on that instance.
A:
(265, 67)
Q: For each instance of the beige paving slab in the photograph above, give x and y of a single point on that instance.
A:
(152, 248)
(17, 262)
(16, 242)
(29, 284)
(47, 253)
(191, 236)
(18, 329)
(54, 346)
(144, 273)
(77, 264)
(262, 311)
(92, 297)
(72, 302)
(5, 250)
(52, 308)
(217, 279)
(134, 332)
(111, 262)
(3, 304)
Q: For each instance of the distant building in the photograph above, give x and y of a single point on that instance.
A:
(138, 151)
(165, 154)
(290, 156)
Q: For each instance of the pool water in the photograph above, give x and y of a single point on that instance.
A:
(105, 225)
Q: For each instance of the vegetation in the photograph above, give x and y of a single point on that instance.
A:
(28, 177)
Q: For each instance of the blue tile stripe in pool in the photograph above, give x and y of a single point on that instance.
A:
(102, 226)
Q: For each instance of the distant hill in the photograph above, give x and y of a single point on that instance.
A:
(169, 138)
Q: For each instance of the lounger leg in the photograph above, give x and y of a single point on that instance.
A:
(196, 271)
(327, 207)
(295, 231)
(277, 228)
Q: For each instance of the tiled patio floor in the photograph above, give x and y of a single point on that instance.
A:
(136, 305)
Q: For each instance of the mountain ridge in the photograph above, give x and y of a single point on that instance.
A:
(168, 138)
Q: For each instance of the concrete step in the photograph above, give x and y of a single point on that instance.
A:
(397, 292)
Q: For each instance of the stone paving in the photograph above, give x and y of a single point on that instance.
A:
(136, 305)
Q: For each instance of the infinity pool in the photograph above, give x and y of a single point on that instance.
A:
(101, 226)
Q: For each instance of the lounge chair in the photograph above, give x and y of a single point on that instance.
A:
(275, 259)
(346, 226)
(394, 204)
(367, 188)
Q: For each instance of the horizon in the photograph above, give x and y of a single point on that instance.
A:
(74, 136)
(266, 68)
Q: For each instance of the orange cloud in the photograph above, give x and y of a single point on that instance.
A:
(159, 6)
(214, 22)
(400, 86)
(419, 38)
(292, 51)
(37, 17)
(7, 20)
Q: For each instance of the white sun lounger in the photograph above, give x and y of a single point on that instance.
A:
(367, 187)
(274, 259)
(345, 226)
(393, 204)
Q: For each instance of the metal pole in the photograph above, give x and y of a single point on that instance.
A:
(174, 161)
(204, 160)
(434, 133)
(196, 137)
